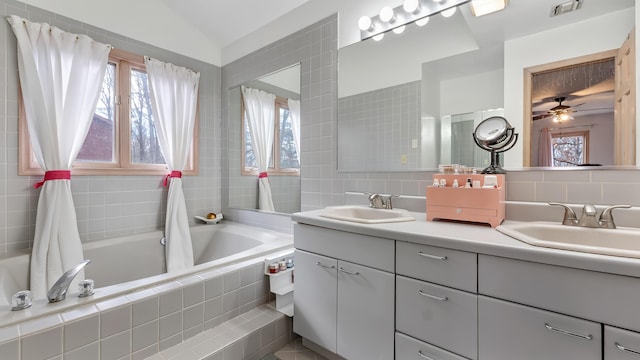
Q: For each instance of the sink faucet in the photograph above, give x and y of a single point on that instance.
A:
(58, 291)
(589, 216)
(377, 202)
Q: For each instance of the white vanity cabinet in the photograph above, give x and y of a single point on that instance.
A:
(344, 300)
(621, 344)
(429, 306)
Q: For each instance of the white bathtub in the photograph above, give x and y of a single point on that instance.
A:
(130, 263)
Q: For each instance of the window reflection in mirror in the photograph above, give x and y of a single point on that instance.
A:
(284, 165)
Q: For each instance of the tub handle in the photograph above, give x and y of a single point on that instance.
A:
(163, 241)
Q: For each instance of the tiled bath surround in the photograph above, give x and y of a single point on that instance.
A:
(140, 324)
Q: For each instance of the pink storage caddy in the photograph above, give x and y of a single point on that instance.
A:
(463, 204)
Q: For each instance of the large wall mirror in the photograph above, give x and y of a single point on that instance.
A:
(396, 95)
(283, 173)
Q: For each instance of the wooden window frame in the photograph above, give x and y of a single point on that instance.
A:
(124, 62)
(280, 103)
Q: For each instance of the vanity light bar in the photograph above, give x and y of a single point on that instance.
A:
(376, 26)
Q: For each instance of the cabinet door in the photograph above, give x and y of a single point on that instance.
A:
(621, 344)
(365, 312)
(314, 298)
(508, 331)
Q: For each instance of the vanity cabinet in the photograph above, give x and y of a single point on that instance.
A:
(621, 344)
(344, 306)
(512, 331)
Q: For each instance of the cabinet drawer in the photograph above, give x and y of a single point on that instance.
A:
(606, 298)
(511, 331)
(361, 249)
(408, 348)
(448, 267)
(438, 315)
(621, 344)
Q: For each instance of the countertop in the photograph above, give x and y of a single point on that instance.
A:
(477, 238)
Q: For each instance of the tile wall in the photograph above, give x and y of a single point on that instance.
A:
(106, 205)
(140, 324)
(391, 117)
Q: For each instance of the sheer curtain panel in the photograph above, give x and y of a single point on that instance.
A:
(545, 148)
(259, 107)
(61, 75)
(174, 95)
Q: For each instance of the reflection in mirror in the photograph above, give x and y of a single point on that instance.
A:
(457, 146)
(573, 118)
(283, 173)
(462, 64)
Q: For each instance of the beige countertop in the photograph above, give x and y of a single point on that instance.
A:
(478, 238)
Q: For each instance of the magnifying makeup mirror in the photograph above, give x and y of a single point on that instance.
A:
(495, 135)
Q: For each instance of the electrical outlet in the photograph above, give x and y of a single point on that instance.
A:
(403, 159)
(414, 143)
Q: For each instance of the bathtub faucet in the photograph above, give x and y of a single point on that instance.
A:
(58, 291)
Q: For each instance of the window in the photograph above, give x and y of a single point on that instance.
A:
(570, 149)
(284, 158)
(122, 138)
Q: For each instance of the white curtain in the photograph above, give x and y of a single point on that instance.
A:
(61, 75)
(294, 112)
(259, 108)
(545, 148)
(174, 93)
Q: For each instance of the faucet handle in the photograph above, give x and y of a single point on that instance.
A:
(606, 218)
(388, 204)
(570, 217)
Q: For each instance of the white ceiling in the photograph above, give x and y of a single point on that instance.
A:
(227, 21)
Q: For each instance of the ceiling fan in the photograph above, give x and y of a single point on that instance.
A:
(560, 112)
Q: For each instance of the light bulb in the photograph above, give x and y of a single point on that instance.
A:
(423, 21)
(399, 29)
(411, 6)
(364, 23)
(449, 12)
(378, 37)
(386, 14)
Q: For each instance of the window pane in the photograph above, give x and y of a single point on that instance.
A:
(568, 150)
(98, 146)
(250, 157)
(145, 148)
(288, 155)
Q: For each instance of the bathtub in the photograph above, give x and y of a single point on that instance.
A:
(132, 263)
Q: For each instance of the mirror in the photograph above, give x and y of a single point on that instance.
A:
(454, 66)
(243, 181)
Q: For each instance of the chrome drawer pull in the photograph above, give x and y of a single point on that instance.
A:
(325, 266)
(349, 272)
(566, 332)
(420, 292)
(626, 349)
(435, 257)
(422, 355)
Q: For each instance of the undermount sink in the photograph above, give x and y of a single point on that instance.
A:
(617, 242)
(366, 215)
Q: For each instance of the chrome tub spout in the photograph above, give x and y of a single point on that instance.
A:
(58, 291)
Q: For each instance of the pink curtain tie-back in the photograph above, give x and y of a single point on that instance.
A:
(174, 174)
(263, 175)
(54, 175)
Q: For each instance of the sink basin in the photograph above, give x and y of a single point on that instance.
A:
(366, 215)
(617, 242)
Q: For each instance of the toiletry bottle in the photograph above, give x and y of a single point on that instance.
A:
(468, 184)
(455, 183)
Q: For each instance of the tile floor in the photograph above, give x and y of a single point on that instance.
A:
(296, 351)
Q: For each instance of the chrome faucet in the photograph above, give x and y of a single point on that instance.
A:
(58, 291)
(377, 202)
(589, 216)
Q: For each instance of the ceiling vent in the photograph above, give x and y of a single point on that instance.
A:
(565, 7)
